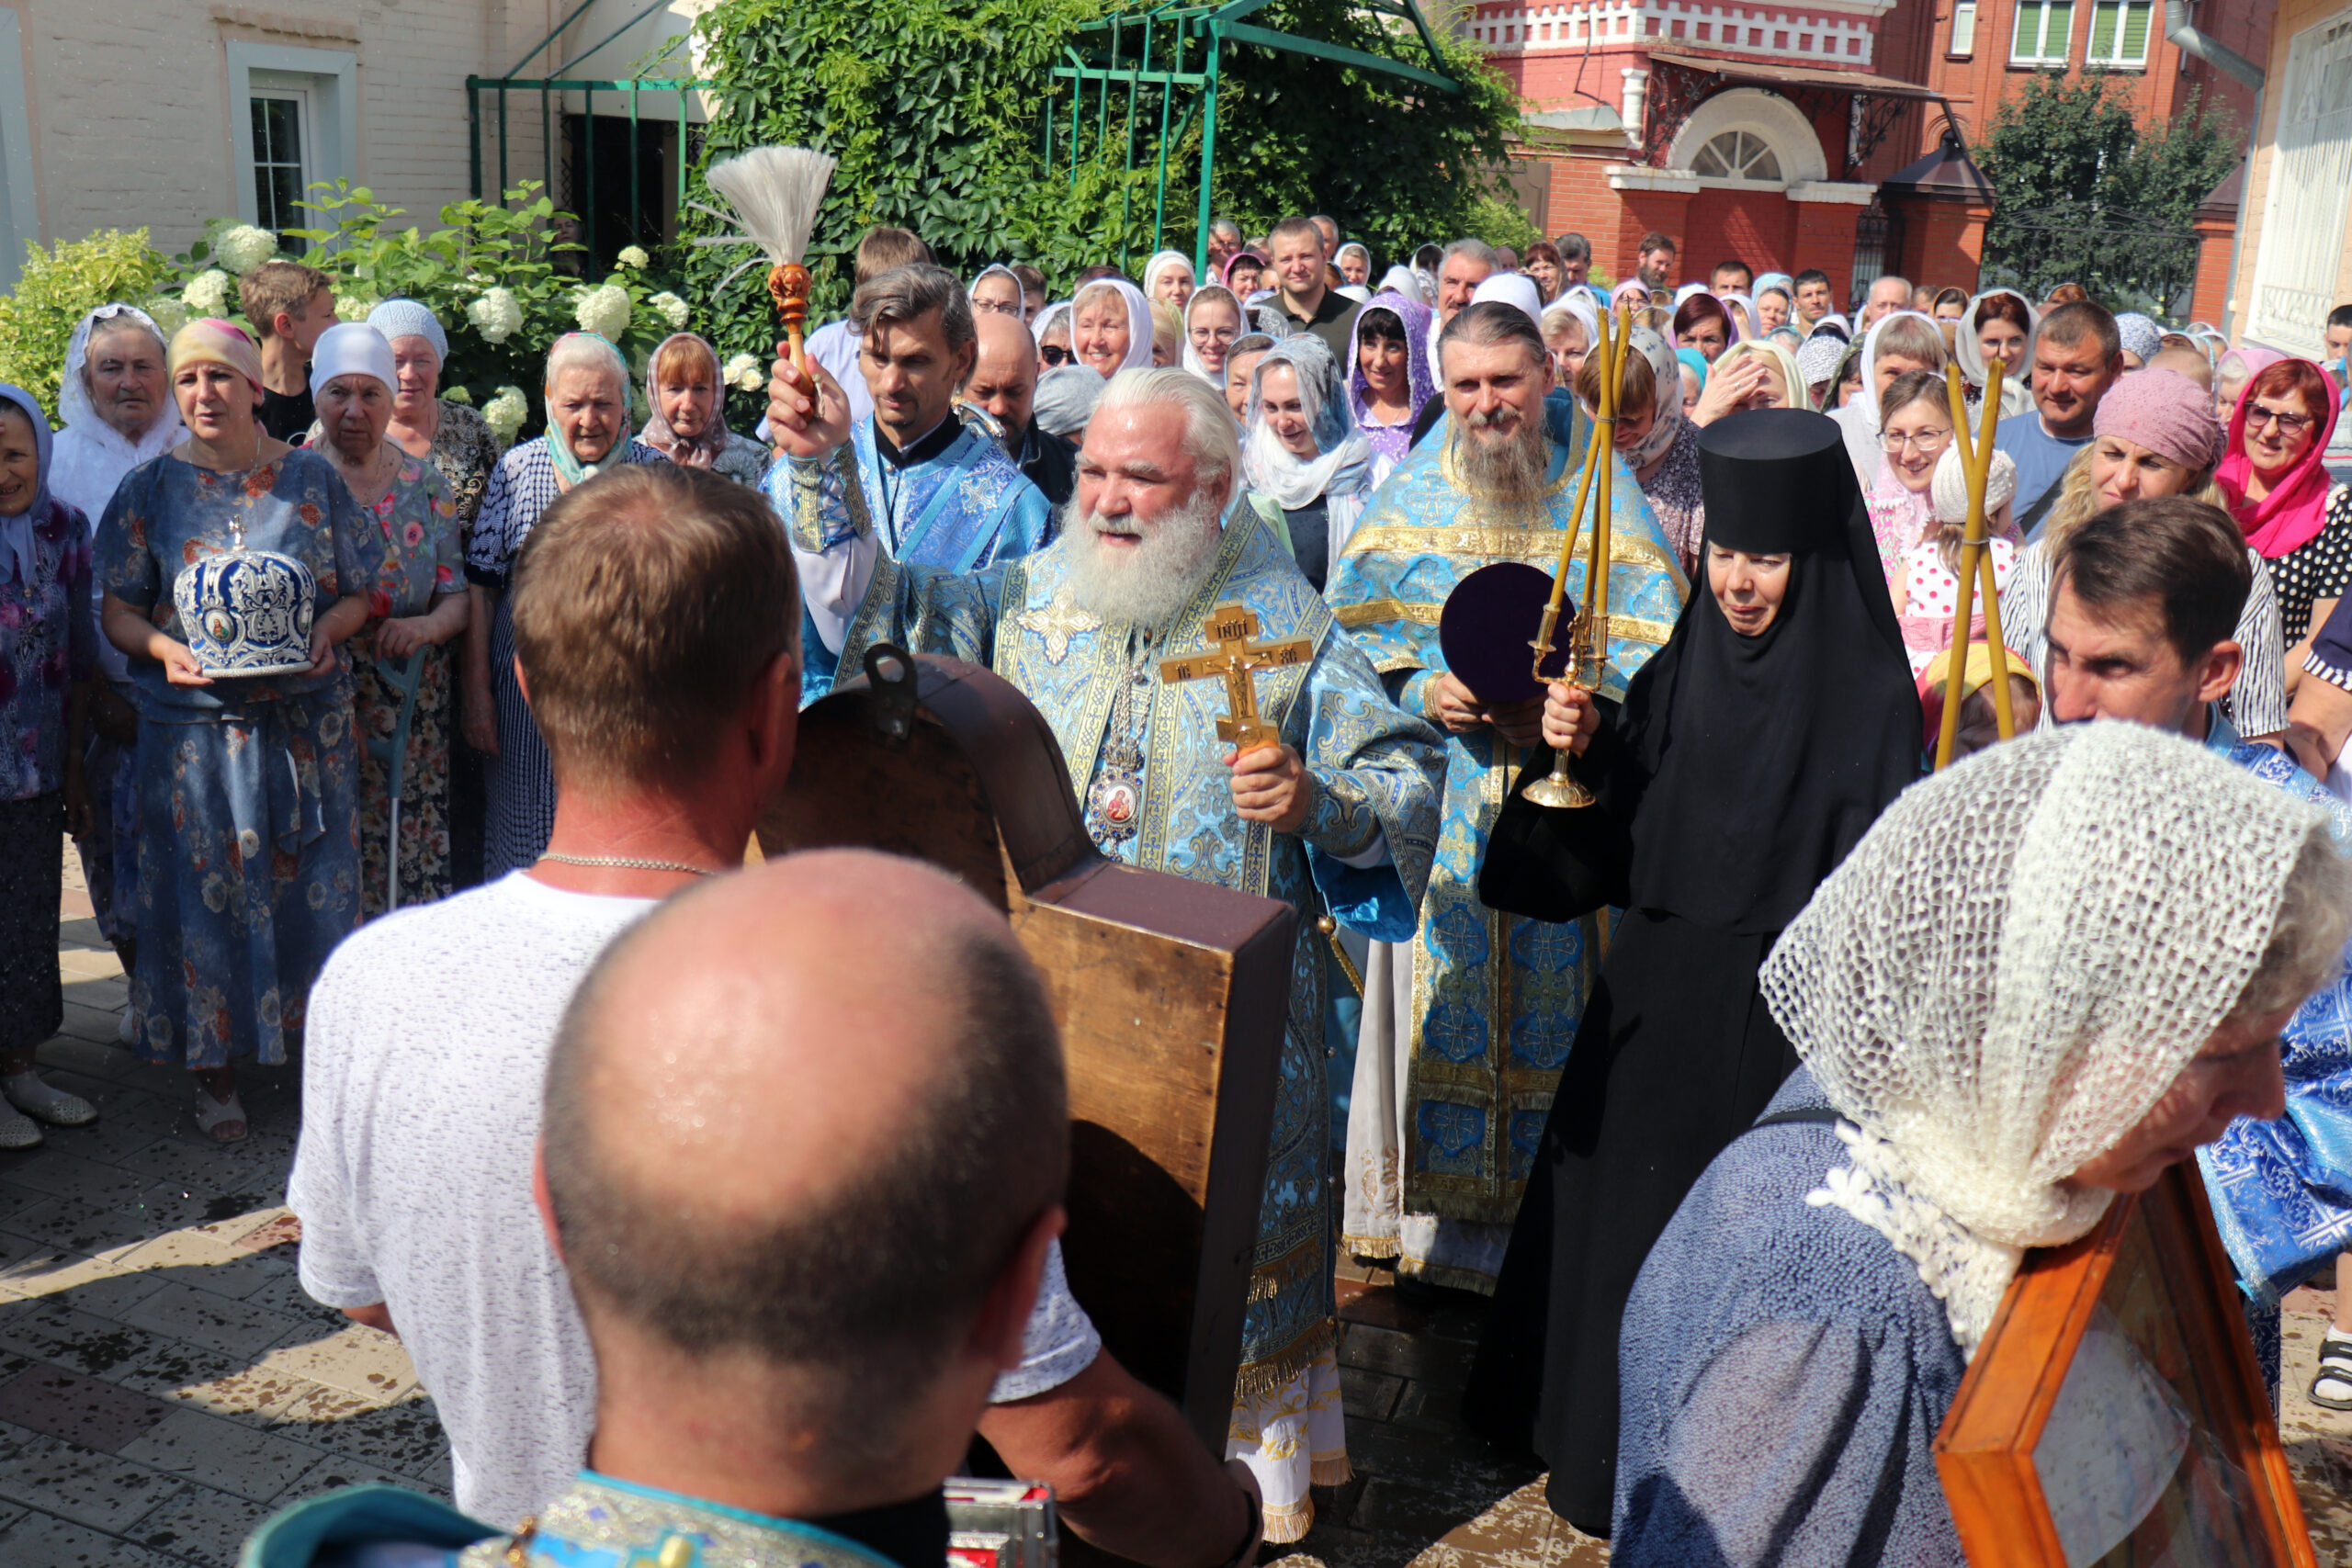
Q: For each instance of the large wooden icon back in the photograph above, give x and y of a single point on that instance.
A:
(1169, 993)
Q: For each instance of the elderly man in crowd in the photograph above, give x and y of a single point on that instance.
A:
(669, 700)
(1889, 293)
(1004, 382)
(1341, 808)
(937, 492)
(1225, 238)
(118, 413)
(2077, 355)
(1303, 290)
(1479, 1008)
(773, 1411)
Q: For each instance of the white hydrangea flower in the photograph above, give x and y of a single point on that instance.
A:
(170, 313)
(634, 256)
(744, 373)
(603, 311)
(207, 293)
(354, 307)
(505, 414)
(243, 248)
(458, 395)
(496, 315)
(478, 280)
(671, 308)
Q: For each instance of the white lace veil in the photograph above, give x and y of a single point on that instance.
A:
(91, 455)
(2011, 968)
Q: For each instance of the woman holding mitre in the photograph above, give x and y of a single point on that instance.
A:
(1750, 755)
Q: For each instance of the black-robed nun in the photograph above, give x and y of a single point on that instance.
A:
(1739, 771)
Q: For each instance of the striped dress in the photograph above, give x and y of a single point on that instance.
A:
(521, 785)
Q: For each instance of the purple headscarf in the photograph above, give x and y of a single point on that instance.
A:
(1390, 443)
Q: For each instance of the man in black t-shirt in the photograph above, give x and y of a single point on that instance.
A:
(291, 307)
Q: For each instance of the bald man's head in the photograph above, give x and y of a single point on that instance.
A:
(1004, 372)
(808, 1113)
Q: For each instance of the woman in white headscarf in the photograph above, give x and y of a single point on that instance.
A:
(1900, 341)
(1111, 327)
(1168, 276)
(1306, 463)
(1998, 324)
(119, 412)
(1999, 1033)
(1054, 349)
(1403, 280)
(1212, 322)
(998, 287)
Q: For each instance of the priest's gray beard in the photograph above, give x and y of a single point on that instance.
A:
(1503, 455)
(1142, 585)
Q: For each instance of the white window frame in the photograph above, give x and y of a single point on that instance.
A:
(2063, 42)
(1963, 42)
(2121, 10)
(328, 78)
(280, 88)
(19, 201)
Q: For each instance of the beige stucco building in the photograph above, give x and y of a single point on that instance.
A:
(2294, 255)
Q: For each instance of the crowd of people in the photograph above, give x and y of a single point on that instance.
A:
(477, 829)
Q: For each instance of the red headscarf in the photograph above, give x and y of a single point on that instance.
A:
(2295, 511)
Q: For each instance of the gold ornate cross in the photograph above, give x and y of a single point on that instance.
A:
(1235, 657)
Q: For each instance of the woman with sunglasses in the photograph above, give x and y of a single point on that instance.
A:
(1053, 337)
(2278, 491)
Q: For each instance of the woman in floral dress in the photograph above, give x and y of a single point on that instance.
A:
(416, 603)
(249, 829)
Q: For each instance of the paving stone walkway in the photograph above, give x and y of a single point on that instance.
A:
(164, 1382)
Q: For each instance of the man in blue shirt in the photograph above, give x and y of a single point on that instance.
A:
(2077, 354)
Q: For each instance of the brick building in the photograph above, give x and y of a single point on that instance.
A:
(1828, 134)
(119, 115)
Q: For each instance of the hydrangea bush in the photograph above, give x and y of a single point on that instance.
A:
(502, 283)
(59, 286)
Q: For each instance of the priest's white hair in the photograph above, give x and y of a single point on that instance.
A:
(1209, 436)
(2016, 962)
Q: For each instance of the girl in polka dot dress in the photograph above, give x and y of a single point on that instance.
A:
(1927, 576)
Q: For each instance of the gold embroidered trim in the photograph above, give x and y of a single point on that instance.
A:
(1442, 1274)
(1287, 1522)
(1263, 1377)
(1541, 546)
(1301, 1263)
(1372, 1245)
(1370, 611)
(1330, 1471)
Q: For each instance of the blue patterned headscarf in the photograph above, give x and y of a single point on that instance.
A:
(568, 468)
(17, 532)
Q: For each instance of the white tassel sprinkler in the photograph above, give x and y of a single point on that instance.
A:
(774, 192)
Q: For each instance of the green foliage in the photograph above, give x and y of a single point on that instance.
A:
(2083, 193)
(934, 109)
(56, 290)
(451, 269)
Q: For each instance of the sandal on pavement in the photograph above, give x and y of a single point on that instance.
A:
(18, 1133)
(2332, 1388)
(46, 1103)
(216, 1118)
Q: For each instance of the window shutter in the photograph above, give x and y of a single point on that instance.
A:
(2133, 50)
(1964, 28)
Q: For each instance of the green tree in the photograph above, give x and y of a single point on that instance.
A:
(2083, 193)
(56, 290)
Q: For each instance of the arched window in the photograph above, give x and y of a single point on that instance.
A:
(1738, 155)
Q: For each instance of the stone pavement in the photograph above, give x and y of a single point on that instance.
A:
(164, 1382)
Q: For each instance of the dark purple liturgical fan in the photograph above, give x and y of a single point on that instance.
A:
(1487, 631)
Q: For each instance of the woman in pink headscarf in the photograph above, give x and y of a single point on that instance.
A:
(2275, 478)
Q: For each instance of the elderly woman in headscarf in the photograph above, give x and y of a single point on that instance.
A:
(687, 394)
(1212, 320)
(1749, 756)
(2155, 434)
(587, 410)
(1305, 465)
(1972, 1088)
(118, 413)
(1111, 327)
(248, 834)
(48, 654)
(1900, 341)
(1390, 376)
(1168, 276)
(416, 603)
(997, 288)
(1571, 327)
(1658, 443)
(2141, 338)
(1755, 372)
(1053, 338)
(1997, 324)
(458, 441)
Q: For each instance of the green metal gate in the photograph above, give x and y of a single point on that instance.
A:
(1177, 48)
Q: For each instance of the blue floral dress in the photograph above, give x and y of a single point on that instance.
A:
(248, 868)
(410, 537)
(47, 642)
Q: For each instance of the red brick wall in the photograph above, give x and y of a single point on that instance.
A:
(1943, 241)
(1754, 226)
(1825, 238)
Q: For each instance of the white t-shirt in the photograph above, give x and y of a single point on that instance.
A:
(427, 1044)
